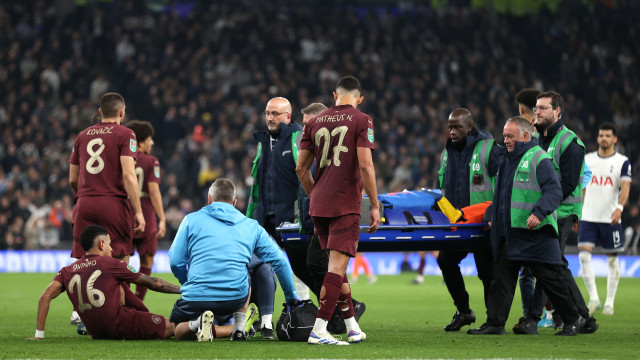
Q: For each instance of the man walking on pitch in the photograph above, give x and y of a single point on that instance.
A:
(341, 139)
(605, 197)
(466, 178)
(524, 231)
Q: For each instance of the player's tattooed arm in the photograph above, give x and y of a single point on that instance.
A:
(157, 284)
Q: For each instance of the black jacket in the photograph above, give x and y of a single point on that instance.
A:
(521, 244)
(456, 176)
(284, 186)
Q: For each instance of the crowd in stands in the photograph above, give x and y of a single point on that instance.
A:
(203, 72)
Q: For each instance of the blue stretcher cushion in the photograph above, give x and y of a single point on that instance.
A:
(410, 200)
(415, 217)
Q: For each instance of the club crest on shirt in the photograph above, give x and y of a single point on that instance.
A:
(156, 319)
(132, 145)
(156, 171)
(370, 135)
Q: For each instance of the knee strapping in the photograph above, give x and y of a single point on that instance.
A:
(585, 257)
(613, 263)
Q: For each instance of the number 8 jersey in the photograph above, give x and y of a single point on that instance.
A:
(97, 152)
(333, 137)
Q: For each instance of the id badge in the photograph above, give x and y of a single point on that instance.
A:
(477, 179)
(522, 176)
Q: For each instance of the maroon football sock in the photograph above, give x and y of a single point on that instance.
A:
(423, 262)
(345, 303)
(141, 291)
(332, 285)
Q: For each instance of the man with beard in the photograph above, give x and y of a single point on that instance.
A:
(524, 231)
(567, 152)
(606, 195)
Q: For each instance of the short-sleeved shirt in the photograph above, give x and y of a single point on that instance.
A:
(147, 171)
(602, 192)
(97, 152)
(93, 284)
(333, 137)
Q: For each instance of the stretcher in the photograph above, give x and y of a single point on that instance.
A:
(414, 221)
(389, 238)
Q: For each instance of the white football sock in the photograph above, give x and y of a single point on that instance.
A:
(320, 326)
(194, 325)
(352, 324)
(266, 321)
(239, 319)
(550, 314)
(613, 278)
(588, 276)
(75, 318)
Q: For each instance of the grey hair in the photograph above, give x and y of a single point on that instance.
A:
(222, 190)
(523, 125)
(314, 109)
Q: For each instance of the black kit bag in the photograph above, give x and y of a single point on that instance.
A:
(296, 324)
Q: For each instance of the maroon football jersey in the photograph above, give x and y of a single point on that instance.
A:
(333, 136)
(97, 152)
(93, 284)
(147, 170)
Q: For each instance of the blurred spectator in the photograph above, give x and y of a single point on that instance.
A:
(201, 77)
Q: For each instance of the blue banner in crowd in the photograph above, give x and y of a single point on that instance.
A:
(50, 261)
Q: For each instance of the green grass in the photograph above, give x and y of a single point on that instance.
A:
(401, 321)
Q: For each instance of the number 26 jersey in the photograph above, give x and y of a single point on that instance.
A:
(97, 151)
(333, 137)
(94, 286)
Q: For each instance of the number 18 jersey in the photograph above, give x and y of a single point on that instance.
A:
(333, 137)
(97, 152)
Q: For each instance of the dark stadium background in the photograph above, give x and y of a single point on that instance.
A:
(201, 72)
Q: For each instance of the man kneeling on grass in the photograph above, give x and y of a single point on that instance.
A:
(98, 287)
(210, 255)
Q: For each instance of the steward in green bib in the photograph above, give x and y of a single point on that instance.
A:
(567, 153)
(524, 232)
(469, 166)
(527, 192)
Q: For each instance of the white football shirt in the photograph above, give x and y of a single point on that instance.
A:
(601, 197)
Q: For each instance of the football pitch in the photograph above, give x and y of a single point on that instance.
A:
(402, 320)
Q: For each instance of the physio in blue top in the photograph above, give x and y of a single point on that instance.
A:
(210, 254)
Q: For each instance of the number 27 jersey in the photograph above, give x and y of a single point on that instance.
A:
(334, 136)
(97, 152)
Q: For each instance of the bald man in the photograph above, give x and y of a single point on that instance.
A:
(469, 165)
(274, 193)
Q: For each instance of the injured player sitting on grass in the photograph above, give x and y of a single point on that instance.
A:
(98, 287)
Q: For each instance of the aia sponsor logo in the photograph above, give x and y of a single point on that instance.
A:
(601, 181)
